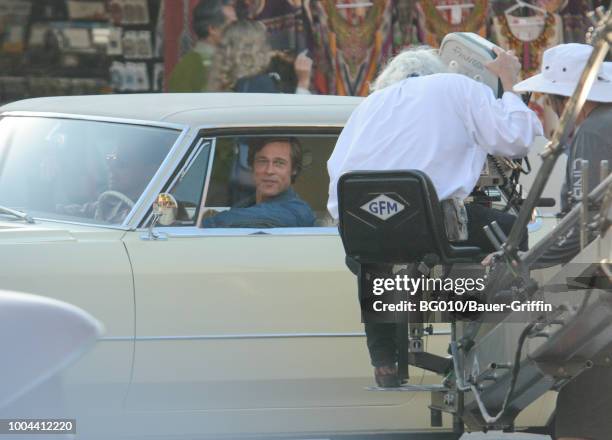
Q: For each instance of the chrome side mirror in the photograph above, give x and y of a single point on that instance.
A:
(165, 209)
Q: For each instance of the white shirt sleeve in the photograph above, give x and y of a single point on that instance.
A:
(502, 127)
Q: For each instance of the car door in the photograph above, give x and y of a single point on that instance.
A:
(244, 330)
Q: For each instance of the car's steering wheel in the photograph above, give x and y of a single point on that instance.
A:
(107, 211)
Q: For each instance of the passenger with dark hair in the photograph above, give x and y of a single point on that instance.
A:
(276, 164)
(192, 71)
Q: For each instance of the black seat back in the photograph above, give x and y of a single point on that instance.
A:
(392, 217)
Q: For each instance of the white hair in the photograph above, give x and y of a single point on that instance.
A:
(419, 61)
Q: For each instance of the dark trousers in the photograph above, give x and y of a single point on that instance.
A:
(381, 338)
(479, 216)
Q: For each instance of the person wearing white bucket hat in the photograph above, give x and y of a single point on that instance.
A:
(562, 66)
(584, 405)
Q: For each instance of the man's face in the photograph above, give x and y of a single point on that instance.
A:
(272, 170)
(229, 12)
(127, 175)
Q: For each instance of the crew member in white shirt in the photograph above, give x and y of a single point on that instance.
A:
(444, 124)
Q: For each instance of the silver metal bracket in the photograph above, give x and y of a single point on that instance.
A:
(152, 235)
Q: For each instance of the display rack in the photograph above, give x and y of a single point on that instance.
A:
(70, 47)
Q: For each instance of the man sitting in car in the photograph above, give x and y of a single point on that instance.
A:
(276, 164)
(129, 170)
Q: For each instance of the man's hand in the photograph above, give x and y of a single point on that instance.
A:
(506, 66)
(303, 70)
(489, 259)
(208, 213)
(494, 257)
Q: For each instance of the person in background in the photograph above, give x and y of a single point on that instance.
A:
(191, 74)
(243, 59)
(444, 124)
(584, 405)
(129, 170)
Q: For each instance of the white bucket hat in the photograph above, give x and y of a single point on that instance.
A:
(561, 68)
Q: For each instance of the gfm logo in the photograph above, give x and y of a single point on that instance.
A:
(383, 207)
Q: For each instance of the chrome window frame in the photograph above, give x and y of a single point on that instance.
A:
(180, 174)
(148, 195)
(212, 133)
(211, 159)
(194, 231)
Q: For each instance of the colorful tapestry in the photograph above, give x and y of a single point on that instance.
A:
(529, 37)
(552, 6)
(349, 44)
(405, 25)
(439, 17)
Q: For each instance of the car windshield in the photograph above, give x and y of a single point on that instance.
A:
(78, 170)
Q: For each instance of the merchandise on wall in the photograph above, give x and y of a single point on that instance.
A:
(52, 47)
(14, 15)
(137, 41)
(349, 40)
(86, 10)
(121, 46)
(67, 47)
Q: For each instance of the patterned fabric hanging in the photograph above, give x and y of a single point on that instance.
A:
(404, 25)
(517, 34)
(552, 6)
(440, 17)
(349, 45)
(529, 37)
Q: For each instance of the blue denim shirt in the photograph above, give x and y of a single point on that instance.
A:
(285, 210)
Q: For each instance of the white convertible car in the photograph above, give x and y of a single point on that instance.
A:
(209, 332)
